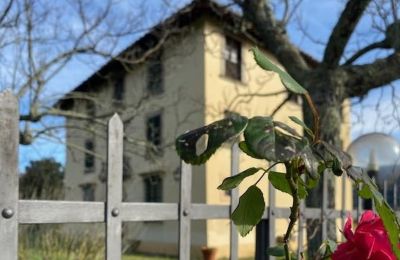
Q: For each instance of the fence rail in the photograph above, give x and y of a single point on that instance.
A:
(113, 211)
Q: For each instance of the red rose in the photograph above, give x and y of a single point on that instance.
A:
(369, 241)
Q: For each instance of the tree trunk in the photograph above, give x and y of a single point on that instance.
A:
(326, 91)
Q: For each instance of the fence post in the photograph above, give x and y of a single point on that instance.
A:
(344, 196)
(185, 200)
(271, 218)
(114, 188)
(9, 141)
(265, 229)
(324, 208)
(301, 221)
(234, 244)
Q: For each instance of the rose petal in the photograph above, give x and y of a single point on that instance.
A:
(369, 240)
(346, 251)
(383, 255)
(347, 232)
(365, 243)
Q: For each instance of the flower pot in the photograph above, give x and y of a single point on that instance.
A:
(209, 253)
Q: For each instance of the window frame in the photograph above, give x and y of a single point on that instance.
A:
(89, 156)
(155, 66)
(232, 69)
(153, 193)
(92, 188)
(119, 89)
(158, 151)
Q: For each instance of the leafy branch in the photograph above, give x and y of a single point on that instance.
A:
(276, 142)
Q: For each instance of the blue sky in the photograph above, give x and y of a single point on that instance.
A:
(316, 18)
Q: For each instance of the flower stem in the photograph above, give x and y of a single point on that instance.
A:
(292, 177)
(315, 116)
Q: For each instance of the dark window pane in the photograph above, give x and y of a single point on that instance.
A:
(126, 167)
(88, 192)
(89, 157)
(119, 89)
(153, 188)
(155, 75)
(153, 131)
(233, 59)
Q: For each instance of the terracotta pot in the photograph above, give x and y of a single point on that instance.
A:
(209, 253)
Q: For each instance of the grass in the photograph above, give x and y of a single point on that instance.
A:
(51, 242)
(144, 257)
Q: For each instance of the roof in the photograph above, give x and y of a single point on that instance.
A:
(182, 18)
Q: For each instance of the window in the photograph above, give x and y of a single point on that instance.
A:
(90, 109)
(153, 188)
(89, 156)
(153, 130)
(155, 75)
(233, 59)
(126, 167)
(119, 90)
(88, 192)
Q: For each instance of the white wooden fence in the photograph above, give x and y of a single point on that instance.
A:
(113, 211)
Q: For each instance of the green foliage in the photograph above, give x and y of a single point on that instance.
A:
(243, 147)
(279, 181)
(302, 124)
(277, 142)
(43, 179)
(234, 181)
(286, 79)
(326, 249)
(197, 146)
(249, 211)
(54, 242)
(266, 141)
(277, 251)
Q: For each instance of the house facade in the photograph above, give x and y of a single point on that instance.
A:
(193, 79)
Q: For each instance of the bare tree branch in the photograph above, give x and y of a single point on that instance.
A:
(363, 78)
(343, 30)
(382, 44)
(5, 12)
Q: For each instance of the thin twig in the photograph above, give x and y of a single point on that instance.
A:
(265, 171)
(315, 116)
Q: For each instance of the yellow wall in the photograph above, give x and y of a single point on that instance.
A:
(223, 93)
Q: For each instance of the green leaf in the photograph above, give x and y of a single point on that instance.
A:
(245, 149)
(234, 181)
(286, 128)
(197, 146)
(391, 223)
(249, 211)
(365, 192)
(302, 191)
(310, 162)
(279, 181)
(327, 248)
(302, 124)
(265, 141)
(311, 183)
(290, 83)
(334, 158)
(278, 251)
